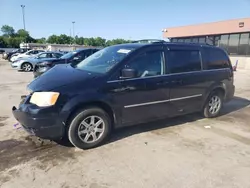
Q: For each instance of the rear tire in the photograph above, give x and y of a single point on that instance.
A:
(213, 105)
(89, 128)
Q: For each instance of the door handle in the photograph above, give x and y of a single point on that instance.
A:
(162, 83)
(177, 82)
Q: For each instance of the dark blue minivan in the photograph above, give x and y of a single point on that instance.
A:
(124, 85)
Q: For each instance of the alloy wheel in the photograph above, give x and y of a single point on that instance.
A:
(27, 67)
(214, 104)
(91, 129)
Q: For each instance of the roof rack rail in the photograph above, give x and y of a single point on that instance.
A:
(149, 41)
(205, 43)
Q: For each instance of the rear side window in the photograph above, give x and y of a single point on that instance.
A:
(217, 59)
(184, 61)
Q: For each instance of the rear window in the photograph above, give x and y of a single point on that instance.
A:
(216, 59)
(184, 61)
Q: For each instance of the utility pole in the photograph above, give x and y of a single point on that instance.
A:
(23, 6)
(74, 31)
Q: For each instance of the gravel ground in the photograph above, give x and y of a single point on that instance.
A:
(174, 153)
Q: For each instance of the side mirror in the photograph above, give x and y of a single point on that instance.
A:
(128, 73)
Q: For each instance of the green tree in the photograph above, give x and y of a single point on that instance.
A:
(89, 41)
(3, 43)
(53, 39)
(100, 41)
(41, 40)
(80, 40)
(64, 39)
(22, 33)
(116, 41)
(13, 42)
(8, 30)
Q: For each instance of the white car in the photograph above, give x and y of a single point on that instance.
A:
(27, 54)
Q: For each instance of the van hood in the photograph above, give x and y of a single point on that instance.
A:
(58, 76)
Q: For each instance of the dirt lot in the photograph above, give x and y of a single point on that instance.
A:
(182, 152)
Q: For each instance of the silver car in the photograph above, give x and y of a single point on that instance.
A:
(27, 64)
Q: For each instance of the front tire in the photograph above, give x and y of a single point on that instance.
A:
(27, 67)
(213, 105)
(89, 128)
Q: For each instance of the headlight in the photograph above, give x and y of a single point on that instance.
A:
(44, 99)
(17, 61)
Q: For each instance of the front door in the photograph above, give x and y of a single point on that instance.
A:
(187, 81)
(146, 96)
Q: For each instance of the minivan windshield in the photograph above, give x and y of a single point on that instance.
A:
(103, 60)
(68, 55)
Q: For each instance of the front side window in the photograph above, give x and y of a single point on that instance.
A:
(56, 55)
(184, 61)
(217, 59)
(105, 59)
(87, 53)
(35, 52)
(80, 55)
(29, 52)
(147, 64)
(68, 55)
(22, 50)
(44, 55)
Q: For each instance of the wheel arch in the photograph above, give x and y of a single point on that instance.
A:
(99, 104)
(26, 62)
(220, 88)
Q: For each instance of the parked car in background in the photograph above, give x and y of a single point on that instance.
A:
(27, 64)
(73, 58)
(26, 54)
(2, 51)
(64, 52)
(124, 85)
(7, 55)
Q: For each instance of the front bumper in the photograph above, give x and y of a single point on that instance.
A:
(15, 66)
(42, 122)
